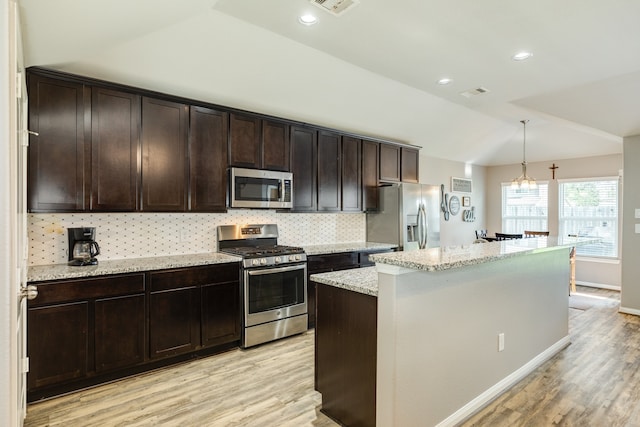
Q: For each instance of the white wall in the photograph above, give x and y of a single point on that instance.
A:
(588, 271)
(439, 171)
(630, 298)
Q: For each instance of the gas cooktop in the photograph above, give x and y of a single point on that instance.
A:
(262, 251)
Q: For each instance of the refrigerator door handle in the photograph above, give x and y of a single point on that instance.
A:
(422, 226)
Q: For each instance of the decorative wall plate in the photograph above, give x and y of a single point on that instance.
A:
(454, 205)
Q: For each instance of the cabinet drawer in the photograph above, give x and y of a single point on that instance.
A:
(364, 257)
(329, 262)
(83, 289)
(193, 276)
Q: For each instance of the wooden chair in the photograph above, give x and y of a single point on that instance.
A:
(505, 236)
(481, 234)
(535, 233)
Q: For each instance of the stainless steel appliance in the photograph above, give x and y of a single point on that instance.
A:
(83, 247)
(253, 188)
(409, 216)
(273, 282)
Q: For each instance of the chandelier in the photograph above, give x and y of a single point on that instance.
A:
(524, 181)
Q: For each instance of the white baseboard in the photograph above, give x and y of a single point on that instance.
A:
(626, 310)
(493, 392)
(598, 285)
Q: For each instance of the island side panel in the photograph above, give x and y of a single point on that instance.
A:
(346, 354)
(438, 331)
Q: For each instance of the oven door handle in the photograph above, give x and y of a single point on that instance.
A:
(258, 272)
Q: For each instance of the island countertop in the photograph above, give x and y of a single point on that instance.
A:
(445, 258)
(361, 280)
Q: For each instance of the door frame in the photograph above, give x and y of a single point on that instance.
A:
(12, 222)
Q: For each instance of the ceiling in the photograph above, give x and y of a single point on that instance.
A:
(373, 70)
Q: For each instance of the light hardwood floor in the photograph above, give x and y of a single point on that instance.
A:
(595, 381)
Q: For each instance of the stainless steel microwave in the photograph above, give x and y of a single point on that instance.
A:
(253, 188)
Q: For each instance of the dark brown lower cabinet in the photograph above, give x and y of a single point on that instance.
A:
(86, 331)
(345, 358)
(119, 332)
(57, 343)
(195, 307)
(173, 322)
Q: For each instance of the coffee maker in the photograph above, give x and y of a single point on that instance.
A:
(82, 246)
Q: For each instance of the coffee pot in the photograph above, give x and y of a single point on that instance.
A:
(82, 246)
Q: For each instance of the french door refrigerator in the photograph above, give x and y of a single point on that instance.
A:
(408, 216)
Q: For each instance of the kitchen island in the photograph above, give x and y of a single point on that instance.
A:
(452, 329)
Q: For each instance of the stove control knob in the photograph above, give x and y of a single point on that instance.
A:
(263, 261)
(292, 257)
(297, 257)
(277, 260)
(255, 262)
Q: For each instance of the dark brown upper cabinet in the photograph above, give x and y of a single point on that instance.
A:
(389, 162)
(275, 146)
(351, 174)
(370, 170)
(208, 159)
(329, 172)
(244, 141)
(304, 146)
(115, 150)
(409, 169)
(59, 155)
(164, 155)
(257, 143)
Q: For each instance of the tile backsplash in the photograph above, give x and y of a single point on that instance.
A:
(136, 235)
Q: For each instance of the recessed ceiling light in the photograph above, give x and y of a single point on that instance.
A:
(445, 81)
(521, 56)
(307, 19)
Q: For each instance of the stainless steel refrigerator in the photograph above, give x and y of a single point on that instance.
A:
(409, 216)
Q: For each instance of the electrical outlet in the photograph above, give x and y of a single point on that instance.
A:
(637, 228)
(500, 341)
(637, 213)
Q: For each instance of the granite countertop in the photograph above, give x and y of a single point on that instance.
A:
(39, 273)
(362, 280)
(445, 258)
(346, 247)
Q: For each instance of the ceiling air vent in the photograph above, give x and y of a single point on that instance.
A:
(474, 92)
(336, 7)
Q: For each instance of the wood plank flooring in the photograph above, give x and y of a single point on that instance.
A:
(595, 381)
(270, 385)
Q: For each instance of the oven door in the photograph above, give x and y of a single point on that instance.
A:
(274, 293)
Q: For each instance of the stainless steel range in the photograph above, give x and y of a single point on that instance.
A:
(273, 282)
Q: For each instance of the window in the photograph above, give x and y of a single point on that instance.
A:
(589, 208)
(525, 209)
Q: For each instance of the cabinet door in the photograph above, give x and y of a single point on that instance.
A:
(389, 162)
(410, 159)
(351, 174)
(174, 322)
(58, 157)
(370, 167)
(221, 313)
(57, 343)
(115, 143)
(303, 166)
(244, 141)
(329, 172)
(208, 159)
(275, 146)
(119, 332)
(164, 155)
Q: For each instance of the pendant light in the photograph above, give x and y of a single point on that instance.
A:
(524, 181)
